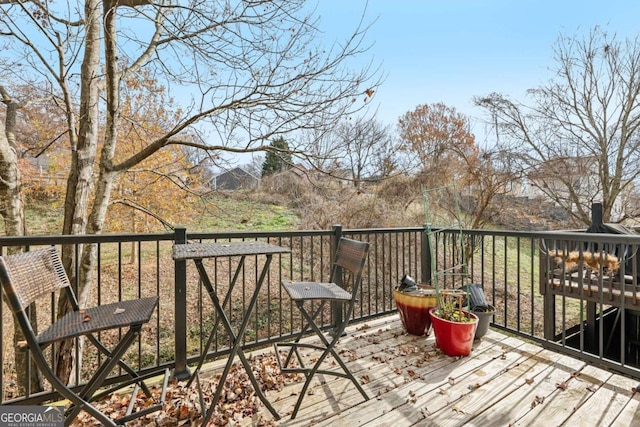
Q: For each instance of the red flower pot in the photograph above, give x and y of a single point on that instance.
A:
(454, 338)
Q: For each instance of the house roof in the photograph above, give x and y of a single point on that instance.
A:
(236, 172)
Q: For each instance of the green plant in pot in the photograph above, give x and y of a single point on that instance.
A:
(453, 326)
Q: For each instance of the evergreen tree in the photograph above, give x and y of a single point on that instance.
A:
(277, 160)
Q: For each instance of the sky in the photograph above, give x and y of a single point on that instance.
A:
(452, 50)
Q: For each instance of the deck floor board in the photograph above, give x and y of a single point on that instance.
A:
(504, 382)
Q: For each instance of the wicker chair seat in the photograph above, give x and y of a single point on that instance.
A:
(109, 316)
(315, 291)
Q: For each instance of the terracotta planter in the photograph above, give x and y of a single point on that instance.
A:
(454, 338)
(413, 308)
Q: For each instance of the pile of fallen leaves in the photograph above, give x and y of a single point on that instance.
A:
(182, 404)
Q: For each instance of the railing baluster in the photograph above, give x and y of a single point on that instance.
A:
(181, 370)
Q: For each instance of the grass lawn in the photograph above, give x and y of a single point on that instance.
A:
(220, 212)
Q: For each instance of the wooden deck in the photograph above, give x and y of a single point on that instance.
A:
(505, 382)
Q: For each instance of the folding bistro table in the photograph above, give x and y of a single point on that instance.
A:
(199, 251)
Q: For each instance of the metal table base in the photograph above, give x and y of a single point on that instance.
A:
(199, 251)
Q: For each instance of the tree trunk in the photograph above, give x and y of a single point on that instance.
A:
(83, 156)
(12, 212)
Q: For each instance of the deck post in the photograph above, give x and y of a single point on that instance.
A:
(181, 370)
(336, 308)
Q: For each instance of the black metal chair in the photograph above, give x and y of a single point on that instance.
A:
(348, 265)
(27, 277)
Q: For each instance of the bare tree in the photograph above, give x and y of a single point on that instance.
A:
(365, 148)
(325, 153)
(254, 167)
(438, 143)
(578, 138)
(245, 71)
(485, 187)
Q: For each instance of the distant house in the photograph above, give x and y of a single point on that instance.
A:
(234, 179)
(581, 172)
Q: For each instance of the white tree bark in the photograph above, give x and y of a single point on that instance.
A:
(11, 205)
(12, 212)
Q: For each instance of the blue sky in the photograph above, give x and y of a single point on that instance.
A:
(452, 50)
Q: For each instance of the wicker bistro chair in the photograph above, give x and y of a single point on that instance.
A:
(27, 277)
(349, 262)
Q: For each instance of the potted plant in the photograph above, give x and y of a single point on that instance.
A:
(414, 302)
(453, 326)
(478, 305)
(484, 314)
